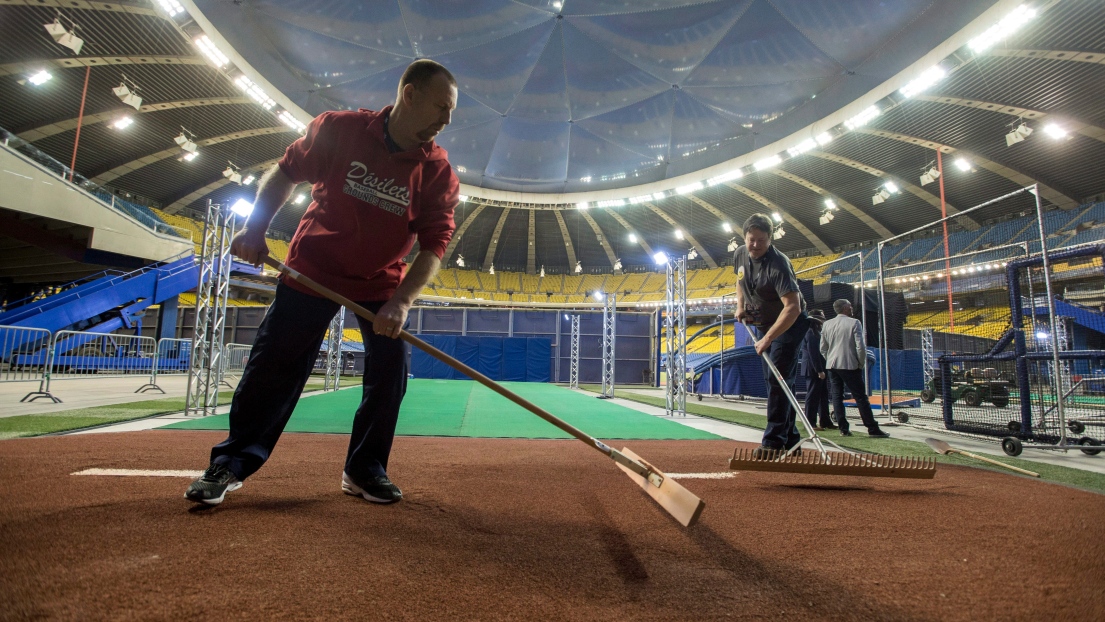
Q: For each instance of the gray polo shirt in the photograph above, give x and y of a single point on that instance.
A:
(765, 281)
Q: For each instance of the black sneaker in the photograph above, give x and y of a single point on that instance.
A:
(844, 432)
(378, 489)
(878, 434)
(210, 488)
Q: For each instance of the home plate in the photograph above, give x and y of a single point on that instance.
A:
(722, 475)
(140, 473)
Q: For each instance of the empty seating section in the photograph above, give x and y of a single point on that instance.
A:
(530, 283)
(509, 281)
(592, 283)
(466, 279)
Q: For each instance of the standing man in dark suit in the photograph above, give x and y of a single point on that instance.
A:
(817, 384)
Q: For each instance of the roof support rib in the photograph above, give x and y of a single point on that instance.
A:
(603, 242)
(716, 212)
(572, 261)
(1095, 58)
(134, 165)
(690, 238)
(628, 227)
(448, 256)
(99, 61)
(1062, 199)
(531, 253)
(863, 216)
(911, 188)
(1079, 126)
(489, 256)
(44, 131)
(803, 229)
(191, 197)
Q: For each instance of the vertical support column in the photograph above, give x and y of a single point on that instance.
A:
(207, 336)
(1060, 406)
(884, 356)
(609, 334)
(573, 374)
(333, 352)
(166, 318)
(675, 336)
(928, 360)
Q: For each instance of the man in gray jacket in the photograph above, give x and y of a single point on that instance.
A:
(845, 353)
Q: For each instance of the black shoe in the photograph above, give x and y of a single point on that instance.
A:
(763, 452)
(878, 434)
(844, 432)
(377, 489)
(213, 485)
(828, 426)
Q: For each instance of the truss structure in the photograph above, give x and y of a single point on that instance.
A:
(573, 375)
(928, 359)
(609, 335)
(206, 366)
(675, 336)
(333, 352)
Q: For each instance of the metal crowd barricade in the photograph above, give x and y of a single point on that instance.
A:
(173, 358)
(19, 350)
(76, 354)
(235, 357)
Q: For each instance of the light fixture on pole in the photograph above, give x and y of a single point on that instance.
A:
(187, 145)
(232, 173)
(128, 94)
(884, 192)
(1019, 133)
(460, 261)
(64, 36)
(930, 175)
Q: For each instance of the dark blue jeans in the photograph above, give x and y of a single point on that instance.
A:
(781, 432)
(817, 401)
(279, 365)
(853, 379)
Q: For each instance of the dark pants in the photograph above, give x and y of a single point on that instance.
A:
(781, 432)
(279, 365)
(853, 379)
(817, 401)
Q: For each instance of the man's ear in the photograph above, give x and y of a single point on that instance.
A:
(408, 94)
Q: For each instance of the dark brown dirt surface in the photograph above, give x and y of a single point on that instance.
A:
(508, 529)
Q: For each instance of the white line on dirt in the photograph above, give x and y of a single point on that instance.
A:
(722, 475)
(140, 473)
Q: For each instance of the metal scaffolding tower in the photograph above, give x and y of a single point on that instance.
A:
(609, 336)
(573, 375)
(333, 352)
(928, 361)
(675, 336)
(206, 366)
(1063, 378)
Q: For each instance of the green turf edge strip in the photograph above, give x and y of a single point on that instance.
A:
(1077, 478)
(20, 426)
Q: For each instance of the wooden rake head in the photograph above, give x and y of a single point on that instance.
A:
(835, 463)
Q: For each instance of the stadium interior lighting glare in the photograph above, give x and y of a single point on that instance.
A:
(679, 234)
(63, 36)
(767, 163)
(300, 198)
(463, 198)
(660, 258)
(40, 78)
(581, 205)
(127, 95)
(726, 227)
(189, 156)
(632, 238)
(823, 138)
(171, 7)
(962, 164)
(1055, 131)
(1008, 25)
(892, 187)
(862, 118)
(287, 119)
(122, 123)
(689, 188)
(242, 208)
(1041, 335)
(1018, 134)
(212, 53)
(578, 268)
(460, 259)
(248, 180)
(830, 204)
(260, 96)
(930, 176)
(777, 217)
(598, 295)
(921, 83)
(724, 177)
(802, 147)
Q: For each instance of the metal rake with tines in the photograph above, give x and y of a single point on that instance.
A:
(846, 462)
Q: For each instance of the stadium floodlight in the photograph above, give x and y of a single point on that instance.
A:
(724, 177)
(249, 180)
(40, 78)
(300, 198)
(463, 198)
(963, 164)
(213, 54)
(1041, 335)
(186, 143)
(777, 216)
(122, 123)
(617, 264)
(491, 270)
(733, 245)
(802, 147)
(599, 295)
(880, 196)
(460, 261)
(863, 118)
(578, 268)
(689, 188)
(287, 119)
(892, 187)
(1008, 25)
(581, 205)
(692, 254)
(930, 176)
(632, 238)
(921, 83)
(261, 97)
(1055, 131)
(65, 36)
(827, 217)
(542, 271)
(1019, 133)
(189, 156)
(171, 7)
(242, 208)
(679, 234)
(779, 233)
(823, 138)
(658, 196)
(660, 258)
(128, 95)
(726, 227)
(767, 163)
(830, 204)
(232, 173)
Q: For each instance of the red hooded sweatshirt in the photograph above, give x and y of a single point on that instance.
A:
(369, 205)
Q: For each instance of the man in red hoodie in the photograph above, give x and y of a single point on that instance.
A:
(379, 183)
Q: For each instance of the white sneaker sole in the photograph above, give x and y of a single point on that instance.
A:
(219, 499)
(349, 488)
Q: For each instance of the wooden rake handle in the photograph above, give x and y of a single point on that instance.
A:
(994, 462)
(618, 457)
